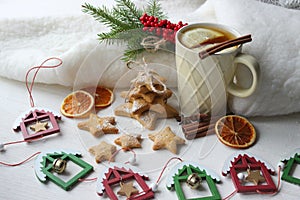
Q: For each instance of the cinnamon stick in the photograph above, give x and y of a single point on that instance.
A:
(195, 117)
(193, 135)
(189, 121)
(200, 129)
(194, 125)
(224, 45)
(198, 125)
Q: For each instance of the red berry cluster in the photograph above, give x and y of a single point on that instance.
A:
(163, 28)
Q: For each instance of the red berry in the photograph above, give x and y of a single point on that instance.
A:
(145, 15)
(158, 31)
(163, 28)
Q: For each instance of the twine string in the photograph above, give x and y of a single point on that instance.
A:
(20, 163)
(87, 179)
(21, 141)
(29, 87)
(153, 43)
(230, 195)
(165, 166)
(145, 76)
(18, 142)
(116, 152)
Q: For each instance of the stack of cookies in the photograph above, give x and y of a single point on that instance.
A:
(146, 101)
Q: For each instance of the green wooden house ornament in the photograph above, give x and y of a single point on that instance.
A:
(184, 171)
(290, 163)
(49, 165)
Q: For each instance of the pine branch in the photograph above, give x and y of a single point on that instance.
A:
(130, 54)
(124, 23)
(105, 16)
(154, 9)
(120, 14)
(131, 8)
(134, 46)
(109, 38)
(129, 36)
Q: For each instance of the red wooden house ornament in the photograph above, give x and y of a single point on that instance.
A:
(259, 173)
(121, 175)
(37, 123)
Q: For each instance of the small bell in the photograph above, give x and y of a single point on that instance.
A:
(59, 165)
(194, 181)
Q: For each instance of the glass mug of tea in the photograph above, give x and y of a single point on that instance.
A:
(204, 84)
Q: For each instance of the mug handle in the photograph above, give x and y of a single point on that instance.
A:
(251, 63)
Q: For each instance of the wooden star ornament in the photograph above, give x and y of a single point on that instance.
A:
(39, 126)
(127, 141)
(99, 126)
(254, 176)
(103, 151)
(37, 123)
(127, 189)
(122, 179)
(166, 139)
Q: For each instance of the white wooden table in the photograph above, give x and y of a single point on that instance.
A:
(277, 136)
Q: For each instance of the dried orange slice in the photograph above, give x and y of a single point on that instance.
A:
(78, 104)
(235, 131)
(102, 95)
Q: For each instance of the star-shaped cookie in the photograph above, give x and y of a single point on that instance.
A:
(99, 125)
(39, 126)
(127, 189)
(147, 119)
(254, 176)
(103, 151)
(166, 139)
(139, 106)
(127, 141)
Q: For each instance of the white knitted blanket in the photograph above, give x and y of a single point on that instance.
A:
(276, 45)
(295, 4)
(36, 31)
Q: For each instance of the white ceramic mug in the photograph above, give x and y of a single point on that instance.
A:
(203, 84)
